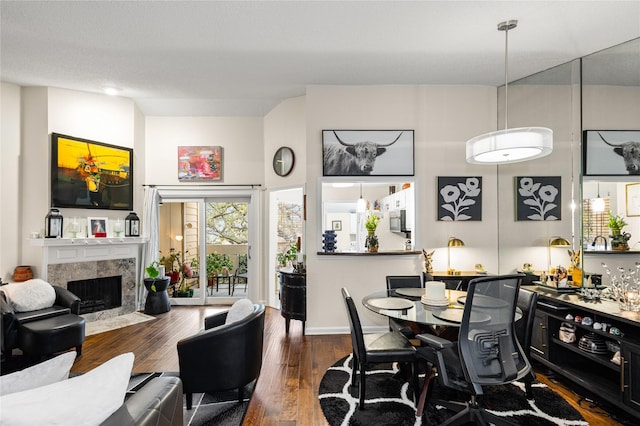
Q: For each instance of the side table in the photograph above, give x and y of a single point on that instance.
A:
(157, 301)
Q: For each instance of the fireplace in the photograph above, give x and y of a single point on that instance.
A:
(92, 261)
(97, 294)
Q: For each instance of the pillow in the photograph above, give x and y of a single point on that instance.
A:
(88, 399)
(239, 310)
(45, 373)
(30, 295)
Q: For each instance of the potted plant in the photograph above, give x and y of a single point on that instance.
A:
(172, 265)
(619, 239)
(371, 243)
(154, 281)
(289, 255)
(217, 264)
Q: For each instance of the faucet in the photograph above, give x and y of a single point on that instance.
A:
(593, 244)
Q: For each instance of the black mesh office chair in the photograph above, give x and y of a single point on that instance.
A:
(403, 281)
(487, 351)
(376, 348)
(527, 301)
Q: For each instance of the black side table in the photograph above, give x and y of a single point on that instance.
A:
(157, 301)
(293, 298)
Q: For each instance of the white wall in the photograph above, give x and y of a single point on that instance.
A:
(240, 137)
(10, 188)
(443, 118)
(85, 115)
(285, 125)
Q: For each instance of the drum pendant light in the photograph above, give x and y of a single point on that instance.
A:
(509, 145)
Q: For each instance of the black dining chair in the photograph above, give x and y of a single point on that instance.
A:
(403, 281)
(376, 348)
(527, 302)
(487, 351)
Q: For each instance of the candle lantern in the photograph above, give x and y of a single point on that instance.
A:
(132, 225)
(53, 224)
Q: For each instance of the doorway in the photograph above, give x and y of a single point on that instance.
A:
(286, 226)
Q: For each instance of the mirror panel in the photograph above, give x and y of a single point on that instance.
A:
(611, 101)
(548, 99)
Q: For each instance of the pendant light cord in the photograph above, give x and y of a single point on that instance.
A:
(506, 77)
(506, 26)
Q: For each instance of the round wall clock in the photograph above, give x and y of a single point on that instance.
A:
(283, 161)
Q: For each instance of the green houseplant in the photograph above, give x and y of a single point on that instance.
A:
(619, 239)
(154, 282)
(153, 271)
(289, 255)
(171, 264)
(217, 263)
(371, 242)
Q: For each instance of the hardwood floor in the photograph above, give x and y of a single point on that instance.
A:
(287, 390)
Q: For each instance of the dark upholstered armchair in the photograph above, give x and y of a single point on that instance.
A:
(66, 308)
(222, 356)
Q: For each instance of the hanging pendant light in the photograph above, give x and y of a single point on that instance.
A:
(509, 145)
(597, 204)
(361, 207)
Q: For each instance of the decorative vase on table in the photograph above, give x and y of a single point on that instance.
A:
(371, 224)
(371, 243)
(329, 241)
(619, 240)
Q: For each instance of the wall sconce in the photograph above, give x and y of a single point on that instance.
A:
(453, 242)
(555, 242)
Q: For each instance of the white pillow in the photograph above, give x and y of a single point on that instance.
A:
(30, 295)
(45, 373)
(88, 399)
(239, 310)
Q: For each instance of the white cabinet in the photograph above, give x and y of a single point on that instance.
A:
(397, 200)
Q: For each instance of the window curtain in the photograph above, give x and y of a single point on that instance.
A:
(150, 232)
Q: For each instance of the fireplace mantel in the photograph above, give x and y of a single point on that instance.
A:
(72, 250)
(72, 259)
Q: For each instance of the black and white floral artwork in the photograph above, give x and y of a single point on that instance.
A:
(538, 198)
(459, 198)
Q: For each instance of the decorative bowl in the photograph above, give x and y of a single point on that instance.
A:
(593, 343)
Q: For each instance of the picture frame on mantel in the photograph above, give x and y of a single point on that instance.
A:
(538, 198)
(610, 152)
(97, 226)
(368, 153)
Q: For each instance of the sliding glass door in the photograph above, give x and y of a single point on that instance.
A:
(205, 241)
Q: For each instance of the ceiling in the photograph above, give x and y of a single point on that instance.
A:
(241, 58)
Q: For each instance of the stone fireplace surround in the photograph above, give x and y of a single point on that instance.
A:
(71, 259)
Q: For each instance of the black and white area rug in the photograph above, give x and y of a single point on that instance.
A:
(219, 408)
(390, 401)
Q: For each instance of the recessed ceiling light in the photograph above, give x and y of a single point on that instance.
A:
(111, 91)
